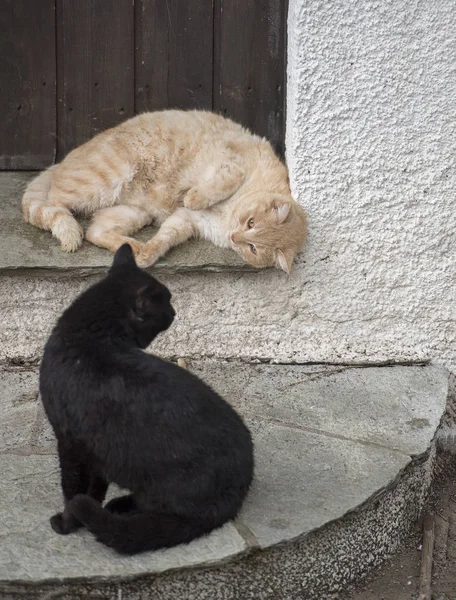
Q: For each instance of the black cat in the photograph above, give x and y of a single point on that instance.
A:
(123, 416)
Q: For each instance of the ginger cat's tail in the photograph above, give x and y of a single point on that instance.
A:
(40, 211)
(139, 531)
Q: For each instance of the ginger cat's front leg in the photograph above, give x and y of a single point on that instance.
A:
(110, 227)
(217, 183)
(175, 230)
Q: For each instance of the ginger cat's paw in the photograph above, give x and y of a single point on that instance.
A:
(147, 256)
(70, 234)
(194, 201)
(144, 261)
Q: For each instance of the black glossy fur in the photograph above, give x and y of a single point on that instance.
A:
(123, 416)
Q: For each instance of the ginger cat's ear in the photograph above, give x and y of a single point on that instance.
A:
(282, 210)
(124, 256)
(284, 260)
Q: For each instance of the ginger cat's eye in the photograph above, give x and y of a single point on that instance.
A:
(252, 248)
(250, 223)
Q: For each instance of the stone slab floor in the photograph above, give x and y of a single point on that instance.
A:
(324, 443)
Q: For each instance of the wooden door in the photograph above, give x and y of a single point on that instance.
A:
(71, 68)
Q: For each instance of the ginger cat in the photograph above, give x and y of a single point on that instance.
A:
(193, 173)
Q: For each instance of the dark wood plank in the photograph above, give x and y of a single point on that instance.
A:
(173, 61)
(95, 68)
(427, 557)
(27, 84)
(249, 72)
(151, 55)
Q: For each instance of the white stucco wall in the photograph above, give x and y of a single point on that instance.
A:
(371, 148)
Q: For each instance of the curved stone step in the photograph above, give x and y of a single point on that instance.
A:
(344, 460)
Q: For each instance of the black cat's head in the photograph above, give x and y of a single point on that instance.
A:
(147, 301)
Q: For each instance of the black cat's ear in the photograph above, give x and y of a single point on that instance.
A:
(124, 256)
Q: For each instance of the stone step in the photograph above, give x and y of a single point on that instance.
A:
(344, 459)
(26, 249)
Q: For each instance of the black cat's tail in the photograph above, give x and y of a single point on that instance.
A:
(139, 531)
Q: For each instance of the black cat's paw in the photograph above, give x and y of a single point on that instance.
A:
(64, 526)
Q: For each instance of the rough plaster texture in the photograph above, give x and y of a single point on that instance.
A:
(371, 147)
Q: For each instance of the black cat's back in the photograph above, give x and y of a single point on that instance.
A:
(142, 422)
(169, 403)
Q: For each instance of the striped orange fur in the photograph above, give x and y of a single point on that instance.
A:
(193, 173)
